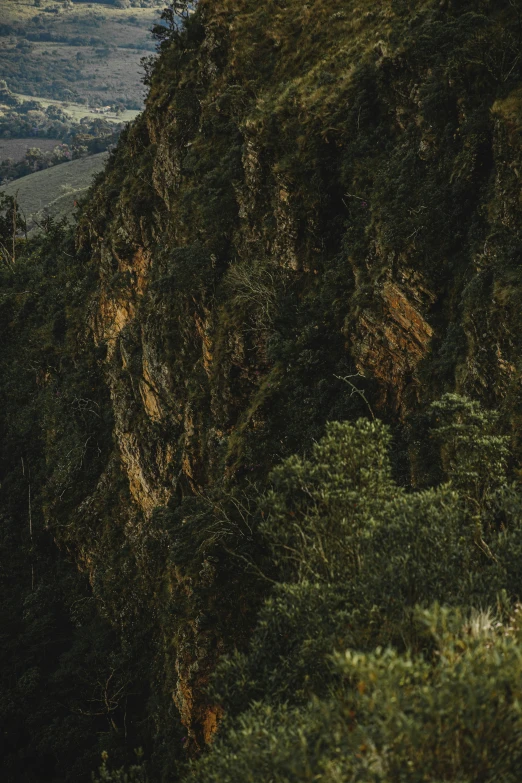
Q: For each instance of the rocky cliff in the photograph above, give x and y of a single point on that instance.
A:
(314, 192)
(316, 217)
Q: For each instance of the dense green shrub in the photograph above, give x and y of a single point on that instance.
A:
(418, 692)
(70, 687)
(453, 716)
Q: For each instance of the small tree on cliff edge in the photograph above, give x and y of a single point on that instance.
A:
(11, 224)
(178, 10)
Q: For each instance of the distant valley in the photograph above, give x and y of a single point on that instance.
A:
(71, 77)
(54, 192)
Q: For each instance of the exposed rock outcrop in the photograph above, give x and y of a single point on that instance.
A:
(276, 221)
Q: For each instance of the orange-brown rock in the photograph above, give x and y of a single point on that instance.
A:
(389, 345)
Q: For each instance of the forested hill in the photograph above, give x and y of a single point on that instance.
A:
(260, 455)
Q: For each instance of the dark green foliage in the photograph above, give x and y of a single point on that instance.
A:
(172, 17)
(362, 560)
(319, 505)
(69, 685)
(134, 774)
(393, 717)
(474, 456)
(11, 224)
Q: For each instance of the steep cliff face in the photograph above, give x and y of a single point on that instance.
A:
(317, 217)
(318, 213)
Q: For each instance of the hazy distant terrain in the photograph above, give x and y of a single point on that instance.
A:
(85, 52)
(70, 75)
(16, 148)
(54, 191)
(78, 110)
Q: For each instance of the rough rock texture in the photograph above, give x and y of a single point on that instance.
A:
(312, 194)
(390, 346)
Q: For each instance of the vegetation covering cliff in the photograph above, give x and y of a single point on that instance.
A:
(267, 403)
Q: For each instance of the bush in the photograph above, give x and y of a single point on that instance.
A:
(133, 774)
(420, 693)
(454, 716)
